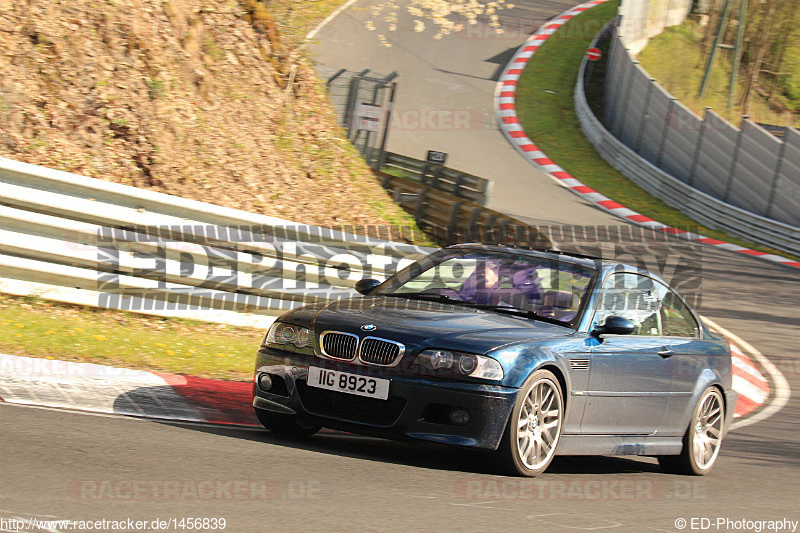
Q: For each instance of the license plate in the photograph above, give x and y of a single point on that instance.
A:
(348, 383)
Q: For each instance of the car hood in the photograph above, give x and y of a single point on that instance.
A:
(421, 324)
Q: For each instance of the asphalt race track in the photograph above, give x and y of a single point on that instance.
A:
(67, 465)
(444, 98)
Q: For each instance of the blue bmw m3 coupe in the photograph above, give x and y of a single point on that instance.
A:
(527, 354)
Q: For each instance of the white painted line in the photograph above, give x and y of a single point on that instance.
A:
(313, 33)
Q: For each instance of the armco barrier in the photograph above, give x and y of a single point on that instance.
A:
(460, 184)
(83, 240)
(745, 167)
(702, 207)
(451, 219)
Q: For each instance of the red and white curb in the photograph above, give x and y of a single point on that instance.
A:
(752, 386)
(505, 108)
(104, 389)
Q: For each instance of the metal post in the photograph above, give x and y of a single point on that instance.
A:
(735, 161)
(645, 116)
(717, 38)
(473, 224)
(339, 103)
(777, 176)
(631, 77)
(389, 106)
(452, 226)
(459, 184)
(697, 150)
(437, 173)
(615, 119)
(350, 105)
(503, 231)
(611, 68)
(665, 132)
(420, 210)
(423, 177)
(355, 90)
(367, 152)
(490, 230)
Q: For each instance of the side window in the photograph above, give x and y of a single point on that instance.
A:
(633, 297)
(676, 319)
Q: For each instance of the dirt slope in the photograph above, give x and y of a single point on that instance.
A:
(201, 99)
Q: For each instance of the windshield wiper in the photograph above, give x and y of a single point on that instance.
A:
(423, 296)
(527, 313)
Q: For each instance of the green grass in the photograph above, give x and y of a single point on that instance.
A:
(35, 328)
(400, 173)
(546, 110)
(674, 59)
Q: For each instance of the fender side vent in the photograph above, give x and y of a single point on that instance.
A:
(579, 364)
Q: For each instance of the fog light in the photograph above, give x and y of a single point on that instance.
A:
(459, 417)
(264, 382)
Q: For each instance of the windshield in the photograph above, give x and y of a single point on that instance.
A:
(551, 288)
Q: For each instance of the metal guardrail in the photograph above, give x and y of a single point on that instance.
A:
(744, 166)
(87, 241)
(702, 207)
(450, 219)
(460, 184)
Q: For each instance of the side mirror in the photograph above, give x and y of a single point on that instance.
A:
(615, 325)
(366, 286)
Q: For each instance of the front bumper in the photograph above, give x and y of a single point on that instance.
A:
(416, 409)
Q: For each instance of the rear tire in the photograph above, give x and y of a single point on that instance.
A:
(702, 440)
(534, 427)
(286, 425)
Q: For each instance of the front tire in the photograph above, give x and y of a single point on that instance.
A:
(286, 425)
(702, 440)
(534, 427)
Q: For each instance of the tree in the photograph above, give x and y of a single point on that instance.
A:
(769, 49)
(772, 37)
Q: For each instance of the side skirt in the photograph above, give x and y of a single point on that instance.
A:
(618, 445)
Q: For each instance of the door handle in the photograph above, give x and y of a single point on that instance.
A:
(666, 352)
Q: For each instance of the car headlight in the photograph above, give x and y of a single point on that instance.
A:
(281, 333)
(460, 364)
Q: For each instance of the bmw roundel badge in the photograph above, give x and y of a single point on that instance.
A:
(369, 327)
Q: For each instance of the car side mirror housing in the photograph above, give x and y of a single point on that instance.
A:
(366, 286)
(615, 325)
